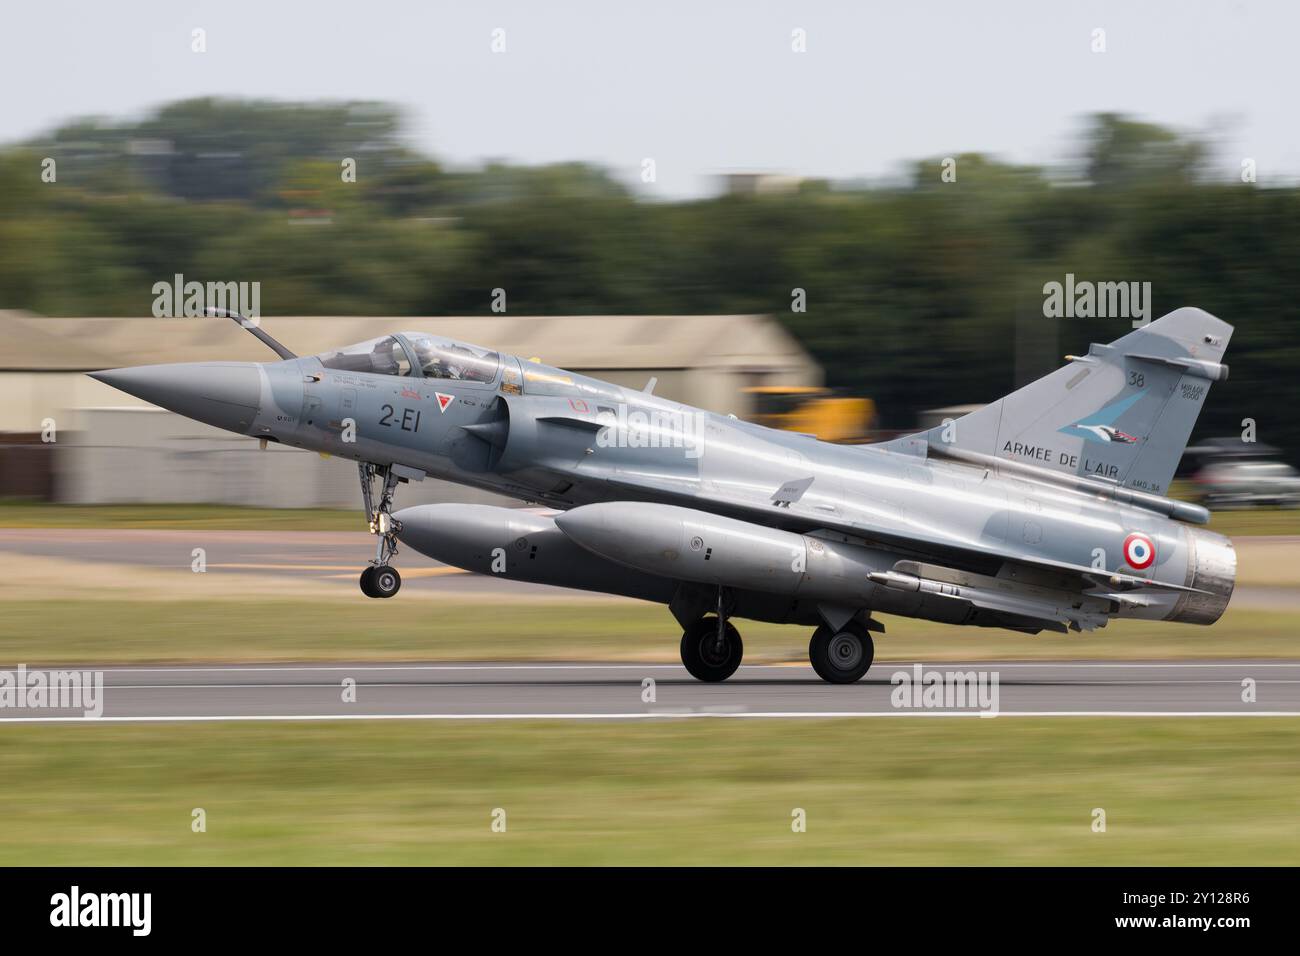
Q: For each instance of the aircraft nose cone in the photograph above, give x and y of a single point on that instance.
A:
(223, 394)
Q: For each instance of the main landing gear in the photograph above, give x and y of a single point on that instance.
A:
(380, 580)
(843, 656)
(712, 649)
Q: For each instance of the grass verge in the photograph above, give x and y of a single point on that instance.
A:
(108, 631)
(31, 514)
(938, 791)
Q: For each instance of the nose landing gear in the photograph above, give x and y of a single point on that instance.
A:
(711, 651)
(711, 646)
(380, 580)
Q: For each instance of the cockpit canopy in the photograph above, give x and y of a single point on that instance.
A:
(416, 354)
(446, 358)
(383, 356)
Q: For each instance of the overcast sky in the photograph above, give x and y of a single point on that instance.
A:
(702, 87)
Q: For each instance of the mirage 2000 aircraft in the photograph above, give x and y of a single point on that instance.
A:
(1046, 510)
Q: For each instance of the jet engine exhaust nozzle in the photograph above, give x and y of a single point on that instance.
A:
(1212, 567)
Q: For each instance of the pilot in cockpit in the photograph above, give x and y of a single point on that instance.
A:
(453, 361)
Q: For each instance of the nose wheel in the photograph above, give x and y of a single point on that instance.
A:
(711, 652)
(711, 646)
(380, 582)
(380, 579)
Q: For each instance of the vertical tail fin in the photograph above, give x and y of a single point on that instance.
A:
(1123, 412)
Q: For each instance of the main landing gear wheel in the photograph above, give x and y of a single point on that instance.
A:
(841, 657)
(705, 657)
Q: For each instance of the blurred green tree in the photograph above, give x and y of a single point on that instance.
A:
(920, 293)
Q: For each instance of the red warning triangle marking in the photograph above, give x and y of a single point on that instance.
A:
(444, 400)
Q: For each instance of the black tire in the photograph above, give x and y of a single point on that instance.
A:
(385, 581)
(368, 582)
(841, 657)
(700, 655)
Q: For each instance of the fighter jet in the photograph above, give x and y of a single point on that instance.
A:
(1043, 511)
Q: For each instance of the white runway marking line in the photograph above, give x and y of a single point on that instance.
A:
(716, 715)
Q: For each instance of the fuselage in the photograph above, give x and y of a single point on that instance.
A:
(564, 440)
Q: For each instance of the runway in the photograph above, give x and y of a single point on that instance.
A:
(620, 692)
(581, 691)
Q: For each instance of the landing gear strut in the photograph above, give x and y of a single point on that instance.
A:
(841, 657)
(711, 646)
(380, 580)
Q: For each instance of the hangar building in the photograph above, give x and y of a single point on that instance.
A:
(113, 448)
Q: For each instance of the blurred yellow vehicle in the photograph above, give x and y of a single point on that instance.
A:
(813, 411)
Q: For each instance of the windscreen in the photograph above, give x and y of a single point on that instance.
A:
(383, 356)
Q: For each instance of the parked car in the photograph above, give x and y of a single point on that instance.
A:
(1248, 483)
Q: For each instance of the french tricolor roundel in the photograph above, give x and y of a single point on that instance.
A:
(443, 400)
(1139, 551)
